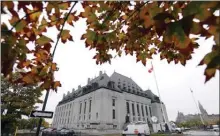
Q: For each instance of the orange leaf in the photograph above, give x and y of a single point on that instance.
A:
(54, 66)
(57, 84)
(28, 79)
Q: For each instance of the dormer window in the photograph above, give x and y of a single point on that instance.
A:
(102, 77)
(111, 84)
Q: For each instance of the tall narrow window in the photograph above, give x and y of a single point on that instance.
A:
(80, 108)
(133, 109)
(142, 109)
(90, 104)
(138, 111)
(84, 111)
(127, 105)
(113, 114)
(113, 102)
(85, 108)
(146, 110)
(150, 112)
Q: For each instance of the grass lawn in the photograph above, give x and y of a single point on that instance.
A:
(150, 135)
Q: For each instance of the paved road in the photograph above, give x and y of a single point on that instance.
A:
(201, 133)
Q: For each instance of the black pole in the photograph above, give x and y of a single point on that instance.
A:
(43, 109)
(47, 93)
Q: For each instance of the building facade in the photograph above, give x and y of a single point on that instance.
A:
(107, 103)
(207, 118)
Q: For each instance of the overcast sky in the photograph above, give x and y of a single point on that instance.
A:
(76, 65)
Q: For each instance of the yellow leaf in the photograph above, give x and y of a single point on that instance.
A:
(43, 40)
(66, 35)
(34, 16)
(63, 6)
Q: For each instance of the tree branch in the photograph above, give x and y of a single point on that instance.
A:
(135, 10)
(28, 15)
(23, 18)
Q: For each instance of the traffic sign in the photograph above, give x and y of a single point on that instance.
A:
(43, 114)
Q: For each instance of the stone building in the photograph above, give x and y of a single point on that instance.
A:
(106, 103)
(210, 119)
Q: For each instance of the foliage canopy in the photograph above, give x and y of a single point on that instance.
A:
(140, 28)
(17, 100)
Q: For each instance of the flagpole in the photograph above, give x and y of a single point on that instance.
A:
(197, 107)
(158, 92)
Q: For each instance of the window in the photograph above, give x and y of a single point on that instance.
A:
(85, 108)
(146, 110)
(69, 113)
(113, 114)
(138, 111)
(114, 126)
(90, 104)
(80, 108)
(133, 109)
(97, 115)
(142, 109)
(113, 102)
(150, 112)
(128, 110)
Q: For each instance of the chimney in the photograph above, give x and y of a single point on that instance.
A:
(79, 87)
(88, 80)
(100, 73)
(73, 90)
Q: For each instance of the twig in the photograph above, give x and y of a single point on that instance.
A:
(135, 10)
(28, 15)
(23, 18)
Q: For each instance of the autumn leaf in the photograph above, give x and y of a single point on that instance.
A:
(20, 26)
(34, 14)
(64, 6)
(72, 17)
(209, 73)
(65, 34)
(28, 79)
(43, 40)
(57, 84)
(54, 66)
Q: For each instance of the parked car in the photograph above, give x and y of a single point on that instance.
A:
(178, 130)
(215, 128)
(138, 128)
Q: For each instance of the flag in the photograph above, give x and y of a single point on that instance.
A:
(151, 69)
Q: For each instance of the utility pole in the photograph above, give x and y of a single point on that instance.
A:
(197, 108)
(163, 113)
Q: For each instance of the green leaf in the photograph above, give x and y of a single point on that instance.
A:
(66, 35)
(20, 26)
(175, 33)
(43, 40)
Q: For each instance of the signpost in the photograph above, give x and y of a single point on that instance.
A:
(41, 114)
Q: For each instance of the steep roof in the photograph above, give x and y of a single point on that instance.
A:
(123, 81)
(116, 82)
